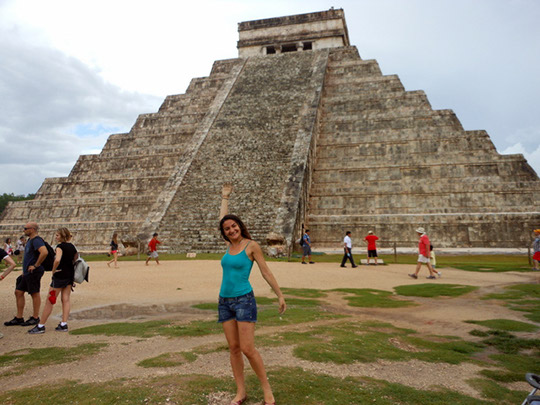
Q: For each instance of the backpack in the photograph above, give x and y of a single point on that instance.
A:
(301, 242)
(49, 260)
(81, 271)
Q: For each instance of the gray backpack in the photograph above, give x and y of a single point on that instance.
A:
(81, 271)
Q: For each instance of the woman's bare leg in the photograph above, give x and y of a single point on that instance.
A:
(246, 334)
(237, 361)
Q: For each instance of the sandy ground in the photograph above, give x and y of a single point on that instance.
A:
(138, 292)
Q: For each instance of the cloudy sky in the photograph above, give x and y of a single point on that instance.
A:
(72, 72)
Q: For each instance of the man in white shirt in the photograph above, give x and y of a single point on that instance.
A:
(347, 247)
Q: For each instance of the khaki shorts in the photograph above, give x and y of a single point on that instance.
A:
(423, 259)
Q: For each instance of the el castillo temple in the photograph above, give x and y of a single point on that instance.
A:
(310, 135)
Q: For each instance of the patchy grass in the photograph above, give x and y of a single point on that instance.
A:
(290, 385)
(516, 356)
(506, 325)
(21, 360)
(168, 360)
(370, 298)
(507, 343)
(298, 311)
(479, 263)
(521, 297)
(304, 292)
(496, 392)
(138, 329)
(346, 343)
(434, 290)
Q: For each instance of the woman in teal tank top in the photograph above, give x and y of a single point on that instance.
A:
(237, 307)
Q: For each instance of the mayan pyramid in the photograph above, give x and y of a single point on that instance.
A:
(310, 135)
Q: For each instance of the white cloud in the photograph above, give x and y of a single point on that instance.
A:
(47, 97)
(532, 155)
(73, 72)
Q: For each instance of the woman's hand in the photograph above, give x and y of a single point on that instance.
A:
(282, 305)
(226, 190)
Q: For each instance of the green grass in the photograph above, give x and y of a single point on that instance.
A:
(370, 298)
(304, 292)
(516, 356)
(21, 360)
(479, 263)
(521, 297)
(506, 325)
(496, 393)
(434, 290)
(290, 385)
(346, 343)
(168, 360)
(298, 311)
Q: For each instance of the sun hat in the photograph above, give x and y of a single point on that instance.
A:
(420, 230)
(370, 232)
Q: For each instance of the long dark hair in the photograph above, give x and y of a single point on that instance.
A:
(243, 229)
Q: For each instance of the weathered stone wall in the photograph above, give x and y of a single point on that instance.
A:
(325, 29)
(259, 142)
(387, 162)
(116, 190)
(318, 137)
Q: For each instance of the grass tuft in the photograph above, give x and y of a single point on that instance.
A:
(434, 290)
(506, 325)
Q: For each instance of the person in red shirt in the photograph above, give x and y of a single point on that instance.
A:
(371, 241)
(423, 254)
(152, 249)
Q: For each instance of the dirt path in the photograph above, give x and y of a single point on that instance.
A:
(139, 292)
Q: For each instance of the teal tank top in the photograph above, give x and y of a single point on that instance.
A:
(236, 271)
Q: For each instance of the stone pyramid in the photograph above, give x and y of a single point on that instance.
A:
(310, 135)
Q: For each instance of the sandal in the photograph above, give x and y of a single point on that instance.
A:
(239, 402)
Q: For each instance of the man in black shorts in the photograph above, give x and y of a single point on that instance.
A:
(29, 282)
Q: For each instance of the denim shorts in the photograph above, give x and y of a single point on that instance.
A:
(242, 308)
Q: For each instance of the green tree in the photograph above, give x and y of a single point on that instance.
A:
(5, 198)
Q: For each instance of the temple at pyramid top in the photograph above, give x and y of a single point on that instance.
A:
(301, 32)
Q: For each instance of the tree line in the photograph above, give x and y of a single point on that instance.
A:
(5, 198)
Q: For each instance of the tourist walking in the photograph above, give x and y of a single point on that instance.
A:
(152, 249)
(114, 251)
(347, 249)
(306, 247)
(371, 241)
(423, 255)
(19, 249)
(10, 266)
(7, 247)
(61, 286)
(237, 307)
(9, 263)
(536, 250)
(30, 280)
(433, 258)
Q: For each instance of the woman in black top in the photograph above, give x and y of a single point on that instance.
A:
(114, 251)
(62, 281)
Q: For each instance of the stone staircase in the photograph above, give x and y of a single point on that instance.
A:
(259, 142)
(387, 162)
(115, 190)
(317, 138)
